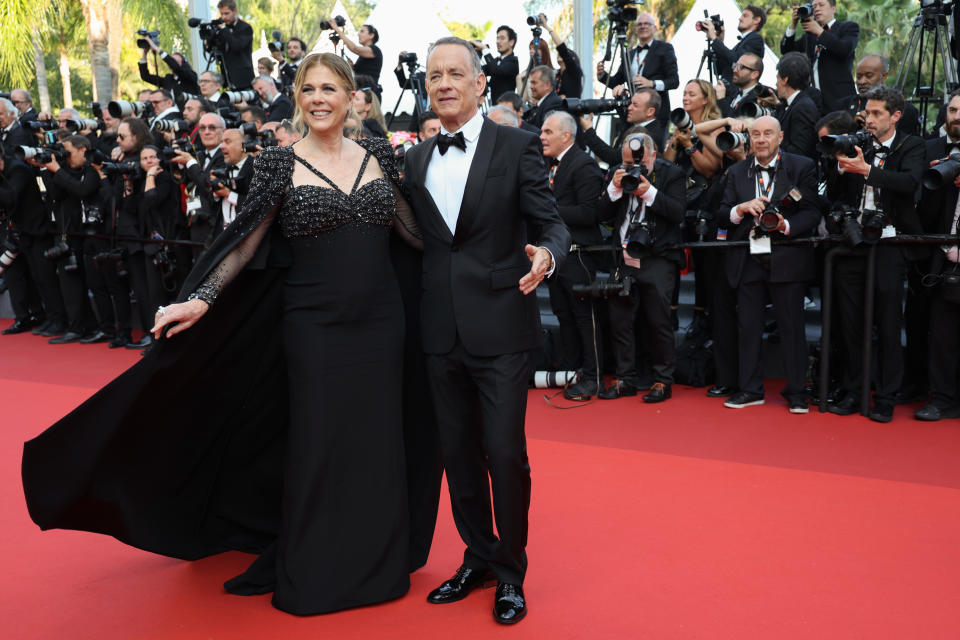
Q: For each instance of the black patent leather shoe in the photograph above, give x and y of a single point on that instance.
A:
(581, 391)
(460, 585)
(120, 341)
(53, 331)
(142, 343)
(720, 391)
(658, 393)
(848, 405)
(69, 336)
(509, 607)
(19, 326)
(98, 336)
(40, 328)
(933, 412)
(618, 389)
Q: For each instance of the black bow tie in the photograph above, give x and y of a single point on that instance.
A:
(445, 141)
(643, 47)
(771, 169)
(952, 147)
(554, 162)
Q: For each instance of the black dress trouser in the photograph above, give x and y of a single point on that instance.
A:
(577, 317)
(944, 346)
(44, 274)
(23, 292)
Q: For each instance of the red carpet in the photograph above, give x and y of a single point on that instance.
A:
(684, 520)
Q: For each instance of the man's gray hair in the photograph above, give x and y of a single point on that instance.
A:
(70, 113)
(565, 122)
(26, 95)
(883, 61)
(547, 74)
(266, 79)
(215, 76)
(9, 107)
(220, 120)
(649, 146)
(474, 58)
(506, 113)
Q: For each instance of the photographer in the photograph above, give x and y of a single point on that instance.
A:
(278, 106)
(296, 51)
(73, 193)
(648, 217)
(369, 57)
(429, 126)
(755, 195)
(880, 182)
(830, 46)
(749, 41)
(796, 111)
(542, 80)
(235, 38)
(161, 218)
(165, 109)
(501, 71)
(232, 188)
(12, 133)
(203, 206)
(513, 101)
(570, 78)
(651, 64)
(23, 101)
(642, 110)
(211, 88)
(872, 73)
(746, 77)
(181, 79)
(576, 181)
(287, 134)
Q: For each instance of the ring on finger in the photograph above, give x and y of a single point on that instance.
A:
(161, 310)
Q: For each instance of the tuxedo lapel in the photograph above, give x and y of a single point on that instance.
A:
(433, 215)
(476, 177)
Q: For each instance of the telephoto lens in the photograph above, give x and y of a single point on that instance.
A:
(681, 119)
(729, 140)
(805, 11)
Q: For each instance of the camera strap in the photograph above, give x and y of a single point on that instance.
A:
(767, 190)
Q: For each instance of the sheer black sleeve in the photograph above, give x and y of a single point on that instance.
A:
(404, 221)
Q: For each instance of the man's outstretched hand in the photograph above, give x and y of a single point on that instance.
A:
(541, 263)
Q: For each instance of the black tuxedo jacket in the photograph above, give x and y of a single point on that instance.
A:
(838, 46)
(17, 136)
(549, 102)
(909, 122)
(932, 202)
(470, 277)
(21, 198)
(237, 43)
(612, 155)
(787, 264)
(180, 80)
(200, 178)
(280, 109)
(660, 64)
(68, 189)
(502, 73)
(577, 185)
(29, 116)
(288, 72)
(798, 122)
(752, 42)
(241, 181)
(668, 210)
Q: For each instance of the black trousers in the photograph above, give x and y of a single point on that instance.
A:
(44, 274)
(111, 293)
(23, 292)
(480, 404)
(787, 298)
(887, 316)
(944, 346)
(579, 329)
(916, 320)
(73, 288)
(724, 328)
(650, 293)
(147, 287)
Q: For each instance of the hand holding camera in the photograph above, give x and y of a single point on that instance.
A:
(753, 207)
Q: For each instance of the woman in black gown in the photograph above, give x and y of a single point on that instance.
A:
(342, 538)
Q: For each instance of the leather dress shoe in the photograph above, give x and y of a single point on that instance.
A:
(848, 405)
(142, 343)
(54, 330)
(882, 412)
(658, 393)
(510, 606)
(721, 391)
(40, 328)
(582, 390)
(20, 326)
(98, 336)
(121, 340)
(618, 389)
(460, 585)
(69, 336)
(933, 412)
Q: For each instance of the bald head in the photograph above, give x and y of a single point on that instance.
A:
(871, 73)
(765, 138)
(646, 27)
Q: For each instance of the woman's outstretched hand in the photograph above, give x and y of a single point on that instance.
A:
(182, 316)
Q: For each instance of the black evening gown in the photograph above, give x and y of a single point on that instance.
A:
(299, 453)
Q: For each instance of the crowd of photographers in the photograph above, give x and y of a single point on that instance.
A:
(101, 211)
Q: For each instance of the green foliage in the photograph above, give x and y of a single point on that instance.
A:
(19, 20)
(299, 18)
(467, 30)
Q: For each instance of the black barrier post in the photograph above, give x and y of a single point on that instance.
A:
(868, 330)
(826, 321)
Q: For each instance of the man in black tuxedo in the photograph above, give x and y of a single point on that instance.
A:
(166, 109)
(657, 207)
(651, 64)
(872, 73)
(796, 112)
(642, 110)
(512, 100)
(542, 80)
(746, 77)
(204, 208)
(278, 107)
(12, 133)
(765, 269)
(287, 70)
(236, 40)
(233, 189)
(23, 101)
(475, 187)
(830, 46)
(577, 181)
(211, 88)
(181, 79)
(887, 182)
(749, 41)
(502, 70)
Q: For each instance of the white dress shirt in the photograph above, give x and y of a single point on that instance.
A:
(647, 199)
(228, 206)
(447, 174)
(735, 217)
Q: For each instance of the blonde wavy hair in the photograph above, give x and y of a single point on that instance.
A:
(711, 111)
(332, 62)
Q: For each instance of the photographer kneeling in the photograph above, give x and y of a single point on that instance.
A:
(645, 202)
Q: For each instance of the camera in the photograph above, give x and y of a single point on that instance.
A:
(576, 107)
(408, 58)
(208, 31)
(10, 246)
(754, 110)
(96, 110)
(42, 125)
(681, 119)
(845, 142)
(236, 97)
(805, 11)
(182, 144)
(165, 261)
(41, 155)
(267, 139)
(943, 173)
(729, 140)
(547, 379)
(621, 10)
(604, 288)
(127, 169)
(276, 44)
(174, 126)
(533, 20)
(92, 214)
(715, 19)
(143, 43)
(769, 220)
(338, 20)
(631, 181)
(124, 109)
(57, 251)
(115, 257)
(702, 226)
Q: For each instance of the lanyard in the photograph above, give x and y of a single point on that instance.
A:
(765, 191)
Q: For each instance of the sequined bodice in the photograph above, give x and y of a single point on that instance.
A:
(309, 210)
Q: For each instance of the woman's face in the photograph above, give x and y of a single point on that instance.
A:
(262, 70)
(148, 159)
(693, 99)
(360, 103)
(323, 101)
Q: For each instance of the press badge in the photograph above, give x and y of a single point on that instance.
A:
(759, 245)
(889, 231)
(193, 204)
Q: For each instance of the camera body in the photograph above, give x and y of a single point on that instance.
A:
(769, 220)
(143, 42)
(577, 107)
(182, 144)
(715, 19)
(943, 173)
(62, 250)
(337, 20)
(41, 155)
(631, 180)
(116, 258)
(128, 169)
(620, 12)
(408, 58)
(276, 43)
(845, 142)
(805, 11)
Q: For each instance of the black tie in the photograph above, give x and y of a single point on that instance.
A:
(952, 147)
(771, 169)
(445, 141)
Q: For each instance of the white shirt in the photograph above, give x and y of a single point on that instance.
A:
(229, 204)
(736, 218)
(869, 194)
(637, 65)
(447, 174)
(647, 199)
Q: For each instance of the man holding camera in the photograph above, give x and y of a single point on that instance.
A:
(181, 79)
(882, 184)
(542, 80)
(830, 46)
(797, 112)
(501, 71)
(211, 88)
(203, 205)
(369, 57)
(576, 181)
(23, 101)
(646, 220)
(872, 73)
(296, 51)
(236, 41)
(642, 110)
(749, 41)
(276, 105)
(771, 195)
(651, 64)
(233, 187)
(746, 77)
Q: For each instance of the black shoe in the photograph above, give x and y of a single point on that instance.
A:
(69, 336)
(798, 404)
(121, 340)
(54, 330)
(882, 412)
(658, 393)
(142, 343)
(460, 585)
(618, 389)
(509, 607)
(40, 328)
(847, 406)
(932, 412)
(910, 394)
(581, 391)
(19, 326)
(742, 399)
(720, 391)
(98, 336)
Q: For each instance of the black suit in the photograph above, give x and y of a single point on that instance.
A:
(28, 116)
(287, 73)
(837, 46)
(25, 212)
(782, 274)
(752, 42)
(659, 64)
(577, 183)
(653, 283)
(182, 79)
(909, 122)
(944, 343)
(549, 102)
(898, 183)
(612, 154)
(17, 136)
(502, 73)
(280, 109)
(206, 222)
(237, 42)
(798, 123)
(477, 329)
